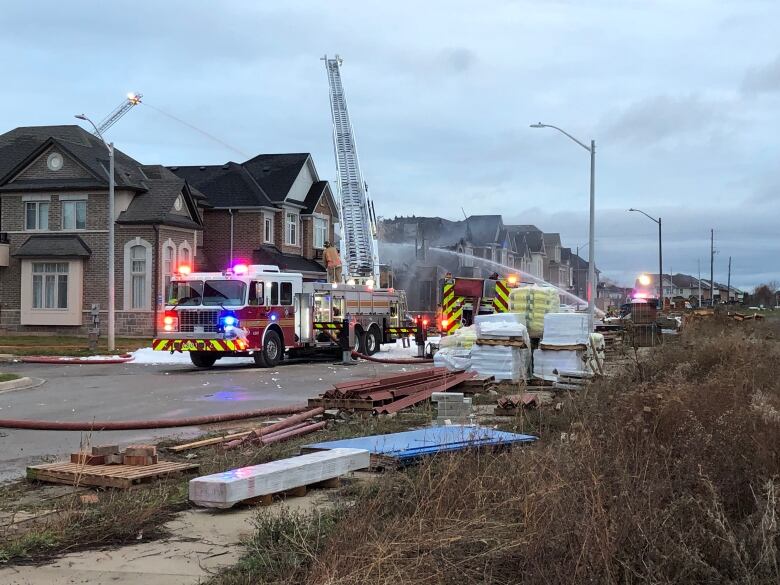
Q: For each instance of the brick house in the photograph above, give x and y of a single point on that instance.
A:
(53, 226)
(271, 209)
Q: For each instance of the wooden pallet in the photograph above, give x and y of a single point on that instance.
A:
(298, 492)
(506, 342)
(116, 476)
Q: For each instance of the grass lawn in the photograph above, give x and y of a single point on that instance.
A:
(8, 377)
(65, 345)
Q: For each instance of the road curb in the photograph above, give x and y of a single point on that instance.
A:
(23, 383)
(65, 360)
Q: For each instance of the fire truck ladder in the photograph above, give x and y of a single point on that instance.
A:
(358, 222)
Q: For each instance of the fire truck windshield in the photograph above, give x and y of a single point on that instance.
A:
(191, 293)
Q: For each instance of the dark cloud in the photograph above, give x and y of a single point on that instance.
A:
(764, 79)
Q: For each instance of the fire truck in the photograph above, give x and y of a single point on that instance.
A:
(262, 312)
(465, 298)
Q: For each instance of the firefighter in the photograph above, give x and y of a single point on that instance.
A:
(332, 262)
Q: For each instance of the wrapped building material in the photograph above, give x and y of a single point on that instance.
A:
(502, 362)
(533, 303)
(463, 338)
(452, 358)
(502, 326)
(565, 329)
(547, 362)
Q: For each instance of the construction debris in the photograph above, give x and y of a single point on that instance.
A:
(388, 394)
(512, 405)
(116, 476)
(224, 490)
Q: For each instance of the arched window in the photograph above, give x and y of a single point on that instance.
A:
(169, 265)
(185, 255)
(138, 275)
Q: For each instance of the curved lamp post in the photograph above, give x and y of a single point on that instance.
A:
(660, 256)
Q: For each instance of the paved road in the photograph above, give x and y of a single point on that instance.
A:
(134, 391)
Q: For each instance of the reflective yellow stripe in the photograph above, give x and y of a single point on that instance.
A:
(161, 344)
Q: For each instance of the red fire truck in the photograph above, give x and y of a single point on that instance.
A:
(261, 312)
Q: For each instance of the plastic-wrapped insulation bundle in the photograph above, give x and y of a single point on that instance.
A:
(455, 350)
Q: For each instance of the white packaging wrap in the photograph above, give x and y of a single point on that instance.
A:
(565, 329)
(547, 362)
(452, 358)
(503, 362)
(501, 326)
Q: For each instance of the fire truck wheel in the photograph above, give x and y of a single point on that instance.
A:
(372, 341)
(202, 359)
(272, 350)
(360, 341)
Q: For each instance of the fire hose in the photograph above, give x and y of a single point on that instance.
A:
(134, 425)
(391, 361)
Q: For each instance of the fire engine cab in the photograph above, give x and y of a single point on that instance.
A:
(262, 312)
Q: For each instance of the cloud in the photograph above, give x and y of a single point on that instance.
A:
(764, 79)
(655, 119)
(459, 59)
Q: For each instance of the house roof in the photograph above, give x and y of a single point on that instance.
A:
(156, 188)
(53, 246)
(551, 240)
(482, 230)
(276, 173)
(286, 262)
(225, 186)
(155, 206)
(21, 145)
(533, 236)
(316, 191)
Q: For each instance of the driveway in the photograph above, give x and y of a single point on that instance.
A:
(136, 391)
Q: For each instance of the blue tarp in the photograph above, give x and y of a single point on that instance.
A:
(413, 444)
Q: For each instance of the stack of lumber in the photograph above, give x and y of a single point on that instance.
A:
(741, 317)
(137, 455)
(259, 483)
(511, 405)
(388, 394)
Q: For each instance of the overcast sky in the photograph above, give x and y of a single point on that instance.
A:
(681, 96)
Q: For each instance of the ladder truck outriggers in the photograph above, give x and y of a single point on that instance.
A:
(261, 312)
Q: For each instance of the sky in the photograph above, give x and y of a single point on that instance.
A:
(681, 96)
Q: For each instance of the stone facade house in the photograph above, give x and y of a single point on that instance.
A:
(272, 209)
(54, 228)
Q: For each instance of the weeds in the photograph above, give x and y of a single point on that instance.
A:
(669, 474)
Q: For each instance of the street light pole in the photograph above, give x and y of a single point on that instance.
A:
(111, 281)
(660, 255)
(591, 288)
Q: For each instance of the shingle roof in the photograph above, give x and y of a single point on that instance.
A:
(276, 173)
(53, 246)
(552, 240)
(20, 144)
(286, 262)
(314, 195)
(225, 186)
(532, 234)
(155, 205)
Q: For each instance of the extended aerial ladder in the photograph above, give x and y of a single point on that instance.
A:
(359, 248)
(132, 100)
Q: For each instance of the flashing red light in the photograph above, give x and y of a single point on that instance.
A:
(185, 269)
(240, 269)
(168, 320)
(425, 322)
(512, 279)
(444, 323)
(640, 295)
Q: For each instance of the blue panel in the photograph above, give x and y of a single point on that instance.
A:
(411, 444)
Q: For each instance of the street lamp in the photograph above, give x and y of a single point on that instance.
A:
(111, 283)
(660, 256)
(591, 290)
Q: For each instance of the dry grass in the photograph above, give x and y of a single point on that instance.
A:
(668, 473)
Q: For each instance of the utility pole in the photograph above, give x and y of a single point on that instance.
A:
(698, 264)
(712, 268)
(728, 283)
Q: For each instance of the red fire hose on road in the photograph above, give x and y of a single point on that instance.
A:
(134, 425)
(392, 361)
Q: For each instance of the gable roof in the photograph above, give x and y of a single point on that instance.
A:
(276, 173)
(317, 190)
(552, 240)
(533, 237)
(483, 230)
(155, 206)
(23, 145)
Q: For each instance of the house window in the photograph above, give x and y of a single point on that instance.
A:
(138, 277)
(320, 232)
(37, 214)
(268, 229)
(185, 256)
(50, 285)
(168, 265)
(292, 229)
(74, 215)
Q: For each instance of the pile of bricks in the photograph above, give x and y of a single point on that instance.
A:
(137, 455)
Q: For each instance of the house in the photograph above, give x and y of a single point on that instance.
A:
(53, 221)
(534, 242)
(271, 209)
